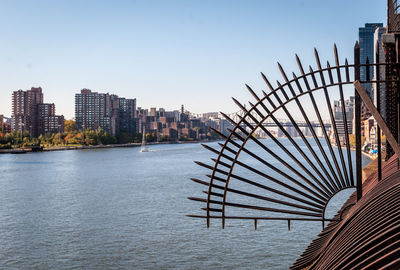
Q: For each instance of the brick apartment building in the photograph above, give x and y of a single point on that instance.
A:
(29, 113)
(111, 113)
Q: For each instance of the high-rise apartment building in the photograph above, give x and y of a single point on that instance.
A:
(26, 115)
(127, 116)
(109, 112)
(366, 41)
(378, 40)
(339, 119)
(1, 123)
(93, 110)
(48, 121)
(24, 110)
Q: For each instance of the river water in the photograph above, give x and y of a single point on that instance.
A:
(122, 209)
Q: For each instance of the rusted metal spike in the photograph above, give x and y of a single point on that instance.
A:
(222, 163)
(268, 209)
(317, 58)
(299, 65)
(297, 147)
(336, 54)
(263, 161)
(270, 102)
(210, 149)
(282, 90)
(227, 157)
(196, 216)
(221, 144)
(318, 208)
(204, 165)
(200, 181)
(342, 182)
(214, 194)
(313, 77)
(255, 224)
(344, 115)
(219, 179)
(228, 118)
(197, 199)
(288, 223)
(238, 104)
(263, 218)
(333, 122)
(211, 209)
(283, 162)
(267, 82)
(236, 134)
(304, 139)
(330, 73)
(297, 83)
(230, 141)
(316, 110)
(289, 154)
(252, 93)
(316, 139)
(218, 132)
(290, 196)
(283, 72)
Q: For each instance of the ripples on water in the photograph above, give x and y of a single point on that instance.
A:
(119, 208)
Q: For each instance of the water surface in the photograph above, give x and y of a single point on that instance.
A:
(119, 208)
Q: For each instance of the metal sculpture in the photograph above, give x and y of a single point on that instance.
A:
(307, 177)
(297, 181)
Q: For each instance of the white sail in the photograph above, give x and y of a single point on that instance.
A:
(144, 147)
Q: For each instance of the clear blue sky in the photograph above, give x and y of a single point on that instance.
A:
(167, 53)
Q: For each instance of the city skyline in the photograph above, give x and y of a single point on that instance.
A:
(166, 54)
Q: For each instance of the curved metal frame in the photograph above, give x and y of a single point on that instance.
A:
(316, 187)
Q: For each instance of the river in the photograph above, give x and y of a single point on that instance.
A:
(122, 209)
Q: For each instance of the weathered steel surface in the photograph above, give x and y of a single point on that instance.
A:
(333, 238)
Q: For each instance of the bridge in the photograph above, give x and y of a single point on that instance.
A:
(237, 116)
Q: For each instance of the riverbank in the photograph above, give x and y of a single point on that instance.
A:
(370, 156)
(101, 146)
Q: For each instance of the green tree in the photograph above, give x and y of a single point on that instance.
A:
(69, 126)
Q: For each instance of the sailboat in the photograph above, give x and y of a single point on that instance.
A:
(144, 147)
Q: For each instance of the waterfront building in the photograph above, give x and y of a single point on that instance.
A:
(339, 119)
(109, 112)
(127, 116)
(153, 112)
(48, 121)
(366, 42)
(94, 110)
(1, 123)
(171, 133)
(26, 114)
(6, 127)
(24, 110)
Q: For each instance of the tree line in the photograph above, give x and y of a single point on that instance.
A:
(73, 137)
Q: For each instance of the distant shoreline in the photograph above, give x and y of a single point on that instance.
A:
(85, 147)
